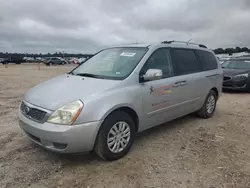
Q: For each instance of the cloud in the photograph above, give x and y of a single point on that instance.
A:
(86, 26)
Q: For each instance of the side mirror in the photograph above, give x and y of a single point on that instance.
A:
(152, 74)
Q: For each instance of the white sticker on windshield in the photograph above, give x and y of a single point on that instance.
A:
(128, 54)
(247, 61)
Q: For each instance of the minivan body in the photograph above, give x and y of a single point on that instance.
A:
(118, 92)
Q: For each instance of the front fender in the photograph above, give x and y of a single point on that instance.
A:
(100, 106)
(116, 107)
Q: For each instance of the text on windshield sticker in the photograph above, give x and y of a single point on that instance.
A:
(127, 54)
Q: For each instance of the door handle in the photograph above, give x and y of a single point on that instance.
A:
(177, 84)
(213, 75)
(183, 83)
(180, 83)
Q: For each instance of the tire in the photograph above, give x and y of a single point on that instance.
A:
(205, 112)
(120, 119)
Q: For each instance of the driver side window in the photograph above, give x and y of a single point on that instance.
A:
(160, 59)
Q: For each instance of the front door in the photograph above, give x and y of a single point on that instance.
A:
(160, 97)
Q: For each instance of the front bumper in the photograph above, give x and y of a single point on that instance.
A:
(236, 84)
(61, 138)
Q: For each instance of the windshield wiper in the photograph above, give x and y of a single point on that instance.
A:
(89, 75)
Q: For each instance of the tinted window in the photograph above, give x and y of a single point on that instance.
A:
(160, 59)
(207, 59)
(185, 61)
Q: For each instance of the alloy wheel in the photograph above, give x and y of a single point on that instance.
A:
(118, 137)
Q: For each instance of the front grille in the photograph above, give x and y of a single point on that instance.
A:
(227, 78)
(33, 113)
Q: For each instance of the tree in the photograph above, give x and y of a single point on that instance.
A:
(219, 51)
(238, 50)
(229, 51)
(244, 49)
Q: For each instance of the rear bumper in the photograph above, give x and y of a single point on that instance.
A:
(61, 138)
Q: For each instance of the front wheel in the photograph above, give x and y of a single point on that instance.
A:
(115, 136)
(208, 108)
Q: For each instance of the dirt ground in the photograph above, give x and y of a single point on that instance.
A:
(186, 153)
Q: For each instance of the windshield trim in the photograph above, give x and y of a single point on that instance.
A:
(111, 77)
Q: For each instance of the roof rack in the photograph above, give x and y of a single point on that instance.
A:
(183, 42)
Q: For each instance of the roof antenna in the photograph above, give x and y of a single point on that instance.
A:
(188, 42)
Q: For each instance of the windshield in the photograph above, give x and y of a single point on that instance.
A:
(112, 63)
(236, 64)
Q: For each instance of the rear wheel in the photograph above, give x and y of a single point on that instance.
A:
(209, 105)
(115, 136)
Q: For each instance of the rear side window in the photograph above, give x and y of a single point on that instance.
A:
(185, 61)
(207, 59)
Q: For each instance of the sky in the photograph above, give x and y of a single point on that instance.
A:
(85, 26)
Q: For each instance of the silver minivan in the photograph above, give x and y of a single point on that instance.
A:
(103, 103)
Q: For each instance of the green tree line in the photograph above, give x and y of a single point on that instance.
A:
(231, 50)
(57, 54)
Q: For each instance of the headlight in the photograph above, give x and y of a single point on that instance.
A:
(241, 76)
(67, 114)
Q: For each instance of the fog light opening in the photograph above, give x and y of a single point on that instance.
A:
(59, 145)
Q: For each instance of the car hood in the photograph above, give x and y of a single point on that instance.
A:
(64, 89)
(233, 72)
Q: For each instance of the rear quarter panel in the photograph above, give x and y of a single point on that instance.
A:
(213, 79)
